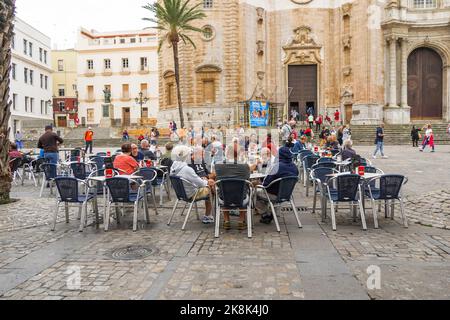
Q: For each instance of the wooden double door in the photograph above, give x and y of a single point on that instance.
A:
(302, 83)
(425, 77)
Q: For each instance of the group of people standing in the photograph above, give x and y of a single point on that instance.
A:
(428, 139)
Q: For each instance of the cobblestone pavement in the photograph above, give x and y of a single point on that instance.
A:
(313, 262)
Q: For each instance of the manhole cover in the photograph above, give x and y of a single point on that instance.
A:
(133, 252)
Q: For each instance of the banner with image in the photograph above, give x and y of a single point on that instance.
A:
(259, 114)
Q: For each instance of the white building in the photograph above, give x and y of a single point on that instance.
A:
(31, 81)
(124, 62)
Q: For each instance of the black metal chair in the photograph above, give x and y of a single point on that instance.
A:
(178, 185)
(80, 170)
(234, 194)
(302, 154)
(285, 187)
(101, 154)
(149, 175)
(331, 165)
(99, 162)
(162, 180)
(347, 189)
(120, 192)
(68, 193)
(386, 188)
(14, 165)
(308, 162)
(320, 175)
(50, 174)
(325, 160)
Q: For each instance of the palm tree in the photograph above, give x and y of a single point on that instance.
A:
(7, 13)
(173, 19)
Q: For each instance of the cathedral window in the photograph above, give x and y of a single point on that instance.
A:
(207, 4)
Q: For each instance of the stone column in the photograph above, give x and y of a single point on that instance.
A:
(392, 40)
(404, 72)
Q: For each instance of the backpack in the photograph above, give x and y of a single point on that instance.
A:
(157, 133)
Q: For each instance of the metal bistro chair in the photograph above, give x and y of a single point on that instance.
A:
(234, 194)
(68, 191)
(161, 181)
(389, 189)
(149, 175)
(101, 154)
(33, 169)
(99, 162)
(348, 189)
(14, 165)
(120, 192)
(178, 184)
(50, 174)
(286, 187)
(80, 170)
(308, 162)
(325, 160)
(301, 155)
(320, 175)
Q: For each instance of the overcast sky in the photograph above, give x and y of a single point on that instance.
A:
(60, 19)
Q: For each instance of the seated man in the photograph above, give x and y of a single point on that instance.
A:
(348, 152)
(267, 161)
(145, 150)
(125, 162)
(181, 155)
(231, 169)
(136, 154)
(284, 167)
(198, 163)
(297, 146)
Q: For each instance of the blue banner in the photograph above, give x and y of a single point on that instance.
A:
(259, 114)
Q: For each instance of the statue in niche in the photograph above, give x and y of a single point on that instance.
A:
(107, 95)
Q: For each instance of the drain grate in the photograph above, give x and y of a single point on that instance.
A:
(133, 252)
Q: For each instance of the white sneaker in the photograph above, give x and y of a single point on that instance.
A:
(208, 220)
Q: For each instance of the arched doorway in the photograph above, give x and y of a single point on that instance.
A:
(425, 84)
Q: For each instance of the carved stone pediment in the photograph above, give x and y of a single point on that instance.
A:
(302, 48)
(346, 9)
(207, 68)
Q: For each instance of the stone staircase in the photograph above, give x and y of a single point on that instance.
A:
(397, 134)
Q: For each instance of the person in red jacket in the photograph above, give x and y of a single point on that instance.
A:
(337, 117)
(319, 122)
(89, 139)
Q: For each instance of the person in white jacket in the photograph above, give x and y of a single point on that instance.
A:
(181, 155)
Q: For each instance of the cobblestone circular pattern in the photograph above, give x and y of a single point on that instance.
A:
(133, 252)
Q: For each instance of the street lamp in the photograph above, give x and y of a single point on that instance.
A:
(141, 100)
(49, 102)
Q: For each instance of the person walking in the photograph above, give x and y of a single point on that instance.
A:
(18, 137)
(49, 143)
(125, 136)
(311, 121)
(89, 139)
(379, 141)
(319, 121)
(429, 139)
(415, 136)
(337, 117)
(286, 131)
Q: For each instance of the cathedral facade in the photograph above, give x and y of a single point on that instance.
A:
(374, 60)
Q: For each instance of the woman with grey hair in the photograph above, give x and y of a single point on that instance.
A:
(347, 150)
(181, 155)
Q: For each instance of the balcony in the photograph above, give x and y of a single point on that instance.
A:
(143, 70)
(428, 4)
(125, 71)
(107, 72)
(89, 73)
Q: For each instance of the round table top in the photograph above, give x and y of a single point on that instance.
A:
(257, 175)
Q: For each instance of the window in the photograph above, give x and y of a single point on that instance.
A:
(25, 46)
(31, 104)
(105, 111)
(125, 91)
(40, 54)
(30, 46)
(424, 4)
(208, 32)
(45, 56)
(209, 92)
(90, 91)
(170, 94)
(42, 106)
(13, 71)
(13, 41)
(61, 106)
(61, 90)
(74, 87)
(26, 104)
(144, 89)
(46, 82)
(90, 115)
(14, 101)
(90, 64)
(42, 81)
(207, 4)
(47, 106)
(60, 65)
(107, 63)
(31, 76)
(125, 63)
(143, 63)
(122, 41)
(133, 40)
(25, 75)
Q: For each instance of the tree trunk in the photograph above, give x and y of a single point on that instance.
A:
(177, 80)
(7, 12)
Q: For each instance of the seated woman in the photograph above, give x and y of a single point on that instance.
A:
(332, 142)
(348, 152)
(125, 162)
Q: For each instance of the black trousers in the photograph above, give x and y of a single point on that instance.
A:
(415, 142)
(88, 146)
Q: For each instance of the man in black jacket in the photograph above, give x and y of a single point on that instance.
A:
(49, 143)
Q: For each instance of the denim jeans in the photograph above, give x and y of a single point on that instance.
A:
(380, 147)
(52, 157)
(19, 145)
(88, 146)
